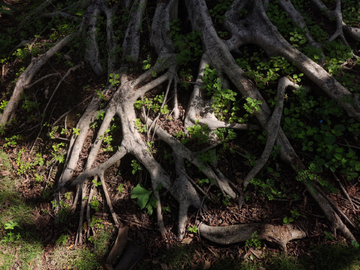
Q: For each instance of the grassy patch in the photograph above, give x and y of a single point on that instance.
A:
(19, 245)
(20, 242)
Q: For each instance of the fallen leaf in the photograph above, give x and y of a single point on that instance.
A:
(186, 241)
(207, 265)
(163, 266)
(4, 173)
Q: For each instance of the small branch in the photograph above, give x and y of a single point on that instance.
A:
(108, 200)
(39, 80)
(88, 209)
(345, 192)
(59, 13)
(65, 114)
(337, 208)
(79, 234)
(50, 99)
(160, 218)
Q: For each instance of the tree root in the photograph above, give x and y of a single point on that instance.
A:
(300, 22)
(232, 234)
(256, 29)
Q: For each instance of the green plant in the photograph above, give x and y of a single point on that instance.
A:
(39, 178)
(252, 105)
(10, 225)
(206, 158)
(201, 182)
(139, 125)
(107, 139)
(62, 240)
(329, 235)
(3, 105)
(147, 63)
(188, 47)
(28, 104)
(27, 166)
(168, 156)
(193, 229)
(96, 183)
(217, 13)
(267, 188)
(224, 100)
(355, 244)
(67, 195)
(145, 198)
(136, 166)
(294, 214)
(199, 133)
(254, 242)
(76, 131)
(167, 209)
(94, 204)
(226, 200)
(150, 148)
(114, 79)
(12, 142)
(120, 188)
(57, 153)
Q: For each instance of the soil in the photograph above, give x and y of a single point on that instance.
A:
(143, 227)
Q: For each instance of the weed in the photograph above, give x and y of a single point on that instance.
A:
(145, 198)
(10, 225)
(136, 166)
(267, 188)
(199, 133)
(12, 142)
(218, 12)
(188, 47)
(120, 188)
(76, 131)
(62, 240)
(114, 79)
(95, 204)
(254, 242)
(96, 183)
(226, 200)
(193, 229)
(3, 105)
(139, 125)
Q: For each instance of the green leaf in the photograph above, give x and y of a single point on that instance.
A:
(329, 139)
(153, 201)
(141, 194)
(357, 166)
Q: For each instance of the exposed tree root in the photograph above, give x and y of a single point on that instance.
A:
(231, 234)
(256, 29)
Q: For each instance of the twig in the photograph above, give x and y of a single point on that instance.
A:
(47, 105)
(336, 208)
(196, 185)
(41, 79)
(108, 200)
(79, 235)
(88, 209)
(65, 114)
(344, 191)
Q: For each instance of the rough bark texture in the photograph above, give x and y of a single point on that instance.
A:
(254, 28)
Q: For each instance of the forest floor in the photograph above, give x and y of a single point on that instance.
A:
(193, 252)
(31, 238)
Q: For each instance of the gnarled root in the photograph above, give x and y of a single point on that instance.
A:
(231, 234)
